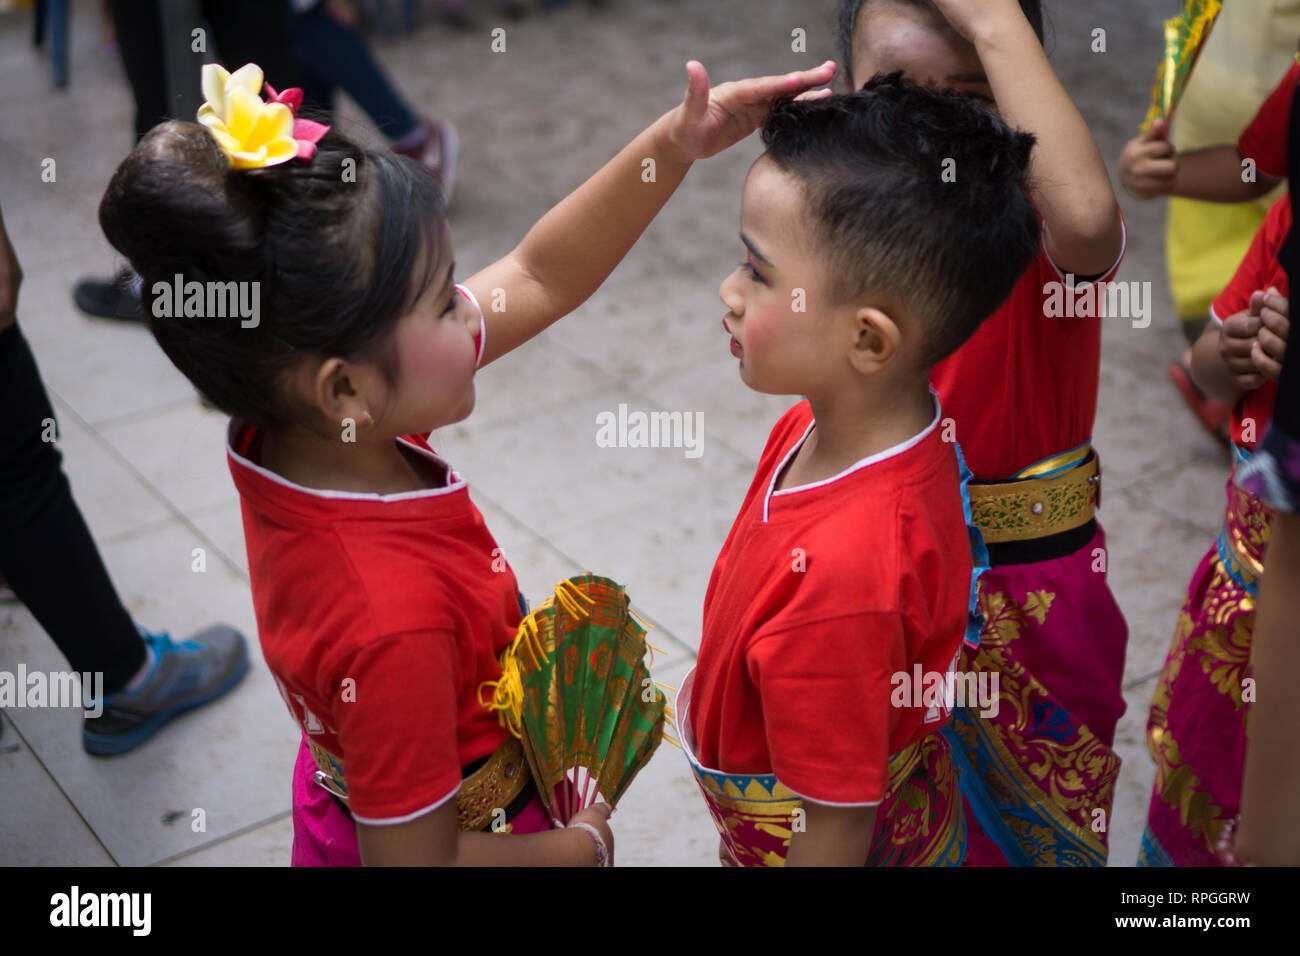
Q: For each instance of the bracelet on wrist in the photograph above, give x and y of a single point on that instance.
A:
(602, 851)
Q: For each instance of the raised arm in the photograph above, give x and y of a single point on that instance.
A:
(1071, 187)
(573, 248)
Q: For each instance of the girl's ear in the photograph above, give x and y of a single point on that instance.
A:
(336, 393)
(876, 340)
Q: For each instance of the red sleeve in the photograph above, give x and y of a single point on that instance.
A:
(825, 689)
(1265, 139)
(1257, 267)
(397, 728)
(1082, 281)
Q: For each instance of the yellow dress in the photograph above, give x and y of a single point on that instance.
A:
(1250, 48)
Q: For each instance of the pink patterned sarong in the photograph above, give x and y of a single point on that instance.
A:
(1040, 773)
(324, 834)
(1197, 729)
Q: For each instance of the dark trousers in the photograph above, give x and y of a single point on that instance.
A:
(244, 31)
(331, 56)
(46, 553)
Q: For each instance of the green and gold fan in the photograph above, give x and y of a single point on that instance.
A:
(575, 688)
(1185, 35)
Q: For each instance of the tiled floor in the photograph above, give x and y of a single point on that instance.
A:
(146, 460)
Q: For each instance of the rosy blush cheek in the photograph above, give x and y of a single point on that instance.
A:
(436, 360)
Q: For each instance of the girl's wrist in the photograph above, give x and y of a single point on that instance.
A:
(664, 135)
(592, 850)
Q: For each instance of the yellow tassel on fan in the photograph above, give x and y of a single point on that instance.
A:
(508, 691)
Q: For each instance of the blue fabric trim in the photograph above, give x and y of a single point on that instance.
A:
(1056, 471)
(979, 554)
(1151, 853)
(985, 813)
(1230, 564)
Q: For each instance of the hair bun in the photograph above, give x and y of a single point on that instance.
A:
(175, 205)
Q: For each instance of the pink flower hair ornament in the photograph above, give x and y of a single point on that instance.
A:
(251, 132)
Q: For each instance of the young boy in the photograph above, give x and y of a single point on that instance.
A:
(881, 228)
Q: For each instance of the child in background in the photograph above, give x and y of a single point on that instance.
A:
(1023, 396)
(382, 603)
(850, 563)
(1206, 242)
(1197, 728)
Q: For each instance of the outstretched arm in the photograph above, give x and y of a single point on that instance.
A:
(1071, 187)
(574, 247)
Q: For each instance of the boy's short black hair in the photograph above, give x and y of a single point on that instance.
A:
(915, 194)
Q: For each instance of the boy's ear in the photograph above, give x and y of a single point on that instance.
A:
(876, 340)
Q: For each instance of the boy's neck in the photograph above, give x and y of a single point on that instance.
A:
(379, 466)
(850, 428)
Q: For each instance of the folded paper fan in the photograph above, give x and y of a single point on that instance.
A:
(1184, 36)
(576, 689)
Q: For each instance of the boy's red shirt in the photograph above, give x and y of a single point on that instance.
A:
(822, 594)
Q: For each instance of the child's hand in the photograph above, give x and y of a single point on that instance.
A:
(598, 816)
(1147, 166)
(971, 17)
(711, 120)
(1237, 342)
(1270, 342)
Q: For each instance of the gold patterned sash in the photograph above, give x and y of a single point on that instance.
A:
(1028, 508)
(919, 822)
(493, 786)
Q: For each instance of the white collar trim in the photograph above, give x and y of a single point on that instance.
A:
(857, 466)
(454, 481)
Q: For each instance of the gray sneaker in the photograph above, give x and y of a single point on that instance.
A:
(185, 675)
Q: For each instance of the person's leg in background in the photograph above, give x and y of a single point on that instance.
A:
(50, 561)
(254, 31)
(138, 28)
(338, 56)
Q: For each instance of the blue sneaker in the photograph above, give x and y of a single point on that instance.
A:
(185, 675)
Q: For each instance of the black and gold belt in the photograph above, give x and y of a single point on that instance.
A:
(1039, 517)
(499, 781)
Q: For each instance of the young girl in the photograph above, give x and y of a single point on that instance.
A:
(1196, 731)
(1023, 395)
(381, 600)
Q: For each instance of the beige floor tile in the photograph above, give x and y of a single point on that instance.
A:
(39, 827)
(180, 451)
(269, 844)
(1149, 555)
(112, 498)
(232, 760)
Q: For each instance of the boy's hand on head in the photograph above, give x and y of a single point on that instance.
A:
(1148, 165)
(1270, 342)
(1237, 342)
(972, 17)
(710, 120)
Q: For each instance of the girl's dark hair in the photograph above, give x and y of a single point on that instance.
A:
(851, 10)
(915, 194)
(341, 248)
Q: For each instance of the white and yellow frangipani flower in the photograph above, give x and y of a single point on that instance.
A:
(252, 133)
